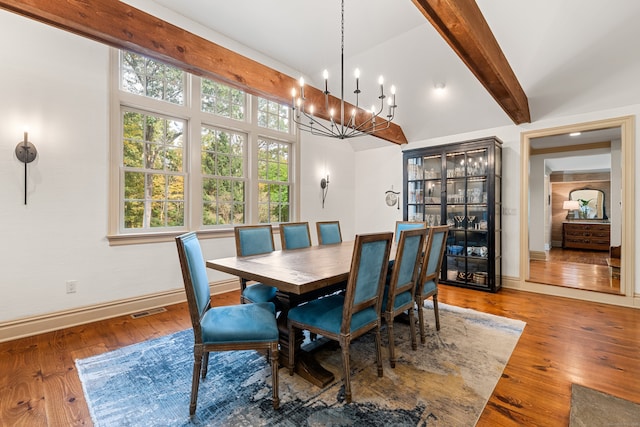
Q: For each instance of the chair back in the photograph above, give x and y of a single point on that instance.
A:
(432, 262)
(253, 239)
(405, 268)
(196, 282)
(408, 225)
(367, 276)
(328, 232)
(295, 235)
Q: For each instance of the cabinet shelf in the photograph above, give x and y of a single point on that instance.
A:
(460, 185)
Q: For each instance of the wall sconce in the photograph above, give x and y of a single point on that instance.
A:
(324, 184)
(26, 152)
(571, 205)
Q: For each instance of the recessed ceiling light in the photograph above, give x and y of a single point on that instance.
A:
(575, 134)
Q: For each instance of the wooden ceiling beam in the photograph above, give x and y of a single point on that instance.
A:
(462, 25)
(117, 24)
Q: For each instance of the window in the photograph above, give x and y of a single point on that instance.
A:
(273, 176)
(204, 165)
(222, 100)
(223, 176)
(153, 153)
(146, 77)
(272, 115)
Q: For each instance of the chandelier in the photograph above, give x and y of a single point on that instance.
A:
(358, 122)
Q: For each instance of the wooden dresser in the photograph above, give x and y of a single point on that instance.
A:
(586, 235)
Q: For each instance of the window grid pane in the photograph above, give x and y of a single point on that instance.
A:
(222, 100)
(272, 115)
(146, 77)
(153, 153)
(223, 183)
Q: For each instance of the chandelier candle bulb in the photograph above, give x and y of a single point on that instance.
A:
(325, 74)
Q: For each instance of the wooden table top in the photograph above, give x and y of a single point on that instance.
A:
(296, 271)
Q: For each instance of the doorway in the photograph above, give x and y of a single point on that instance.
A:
(604, 156)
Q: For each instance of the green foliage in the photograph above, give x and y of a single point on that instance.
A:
(152, 143)
(146, 77)
(222, 100)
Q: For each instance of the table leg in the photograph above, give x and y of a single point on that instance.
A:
(306, 364)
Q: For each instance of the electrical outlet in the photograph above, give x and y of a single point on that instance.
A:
(71, 286)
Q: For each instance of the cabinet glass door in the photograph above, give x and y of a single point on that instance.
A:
(424, 188)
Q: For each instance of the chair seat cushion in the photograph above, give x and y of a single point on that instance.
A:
(326, 314)
(430, 287)
(259, 293)
(401, 300)
(240, 323)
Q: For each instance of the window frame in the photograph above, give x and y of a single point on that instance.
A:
(191, 112)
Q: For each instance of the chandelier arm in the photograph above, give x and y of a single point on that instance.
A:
(370, 127)
(313, 121)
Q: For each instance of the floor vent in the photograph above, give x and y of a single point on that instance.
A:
(148, 312)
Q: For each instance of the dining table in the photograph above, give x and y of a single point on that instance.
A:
(300, 275)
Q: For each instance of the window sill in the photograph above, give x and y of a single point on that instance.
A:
(144, 238)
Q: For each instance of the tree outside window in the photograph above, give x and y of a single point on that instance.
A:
(273, 187)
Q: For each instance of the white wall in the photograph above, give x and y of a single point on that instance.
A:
(616, 196)
(57, 84)
(376, 171)
(537, 204)
(322, 156)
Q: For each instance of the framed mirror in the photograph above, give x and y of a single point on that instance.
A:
(591, 204)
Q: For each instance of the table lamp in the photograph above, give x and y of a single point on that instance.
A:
(571, 205)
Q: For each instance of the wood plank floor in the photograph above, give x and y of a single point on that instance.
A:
(565, 341)
(577, 269)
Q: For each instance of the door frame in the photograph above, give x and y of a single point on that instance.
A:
(627, 276)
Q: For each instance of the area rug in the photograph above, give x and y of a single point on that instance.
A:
(446, 382)
(592, 408)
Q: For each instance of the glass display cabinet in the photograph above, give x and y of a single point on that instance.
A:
(460, 185)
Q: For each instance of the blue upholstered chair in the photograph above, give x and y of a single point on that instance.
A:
(328, 232)
(427, 285)
(254, 240)
(344, 317)
(408, 225)
(295, 235)
(235, 327)
(401, 285)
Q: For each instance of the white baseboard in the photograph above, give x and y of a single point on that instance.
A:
(35, 325)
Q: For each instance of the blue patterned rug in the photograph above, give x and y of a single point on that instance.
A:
(446, 382)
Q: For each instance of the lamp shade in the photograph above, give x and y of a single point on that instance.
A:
(571, 205)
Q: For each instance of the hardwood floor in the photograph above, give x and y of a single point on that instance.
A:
(578, 269)
(565, 341)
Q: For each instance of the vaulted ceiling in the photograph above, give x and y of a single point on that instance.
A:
(568, 57)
